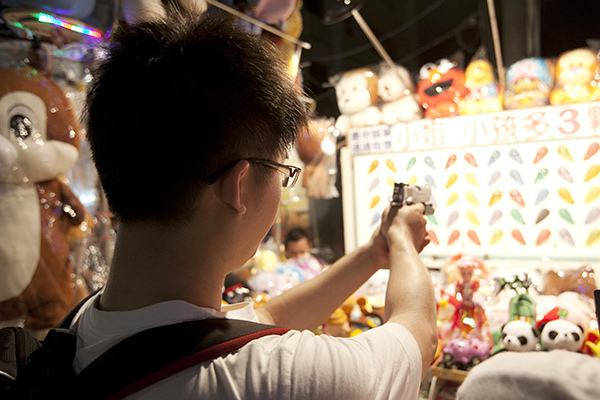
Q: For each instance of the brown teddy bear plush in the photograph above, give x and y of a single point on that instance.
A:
(39, 139)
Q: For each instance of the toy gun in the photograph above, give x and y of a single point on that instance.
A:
(410, 194)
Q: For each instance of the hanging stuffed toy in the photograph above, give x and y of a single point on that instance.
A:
(440, 89)
(577, 77)
(39, 138)
(356, 94)
(529, 82)
(396, 91)
(484, 94)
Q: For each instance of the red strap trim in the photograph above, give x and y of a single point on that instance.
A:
(195, 359)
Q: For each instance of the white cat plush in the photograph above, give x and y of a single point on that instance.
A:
(396, 90)
(356, 93)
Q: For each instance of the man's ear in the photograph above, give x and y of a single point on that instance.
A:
(230, 186)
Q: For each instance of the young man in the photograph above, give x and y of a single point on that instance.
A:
(297, 243)
(189, 120)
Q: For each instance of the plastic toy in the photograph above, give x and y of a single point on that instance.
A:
(356, 93)
(577, 77)
(39, 142)
(440, 88)
(557, 332)
(529, 82)
(581, 280)
(464, 354)
(396, 90)
(484, 94)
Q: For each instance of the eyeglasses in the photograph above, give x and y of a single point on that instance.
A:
(290, 172)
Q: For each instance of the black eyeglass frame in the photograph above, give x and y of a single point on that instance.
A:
(290, 171)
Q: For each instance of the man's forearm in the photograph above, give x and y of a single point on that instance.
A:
(309, 304)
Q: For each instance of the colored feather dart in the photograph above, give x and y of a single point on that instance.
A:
(564, 152)
(429, 161)
(471, 159)
(566, 215)
(452, 218)
(375, 201)
(517, 177)
(592, 194)
(541, 174)
(451, 160)
(541, 153)
(592, 172)
(412, 180)
(496, 196)
(494, 177)
(542, 215)
(429, 180)
(451, 180)
(373, 184)
(565, 195)
(390, 164)
(592, 149)
(471, 234)
(471, 198)
(518, 236)
(471, 216)
(565, 174)
(390, 181)
(493, 157)
(432, 237)
(374, 165)
(517, 216)
(542, 237)
(541, 196)
(566, 237)
(593, 215)
(496, 236)
(471, 179)
(496, 215)
(452, 198)
(454, 235)
(432, 219)
(514, 154)
(411, 163)
(593, 237)
(516, 196)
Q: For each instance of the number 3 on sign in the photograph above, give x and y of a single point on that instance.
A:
(570, 121)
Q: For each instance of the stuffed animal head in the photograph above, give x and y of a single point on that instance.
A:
(479, 73)
(557, 332)
(38, 122)
(441, 84)
(577, 67)
(394, 84)
(356, 90)
(530, 74)
(519, 335)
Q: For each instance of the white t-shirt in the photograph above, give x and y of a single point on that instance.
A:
(382, 363)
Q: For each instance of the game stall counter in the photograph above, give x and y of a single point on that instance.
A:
(516, 192)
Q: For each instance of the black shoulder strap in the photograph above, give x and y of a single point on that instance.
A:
(155, 354)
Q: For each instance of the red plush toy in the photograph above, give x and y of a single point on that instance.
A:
(440, 88)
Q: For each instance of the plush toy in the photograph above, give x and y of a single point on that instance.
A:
(396, 91)
(577, 77)
(519, 335)
(337, 324)
(40, 133)
(484, 94)
(529, 82)
(557, 332)
(440, 88)
(356, 94)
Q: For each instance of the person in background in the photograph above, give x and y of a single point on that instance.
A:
(297, 242)
(189, 121)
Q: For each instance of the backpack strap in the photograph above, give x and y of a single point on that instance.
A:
(155, 354)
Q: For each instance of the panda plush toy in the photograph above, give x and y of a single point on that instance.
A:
(519, 335)
(557, 332)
